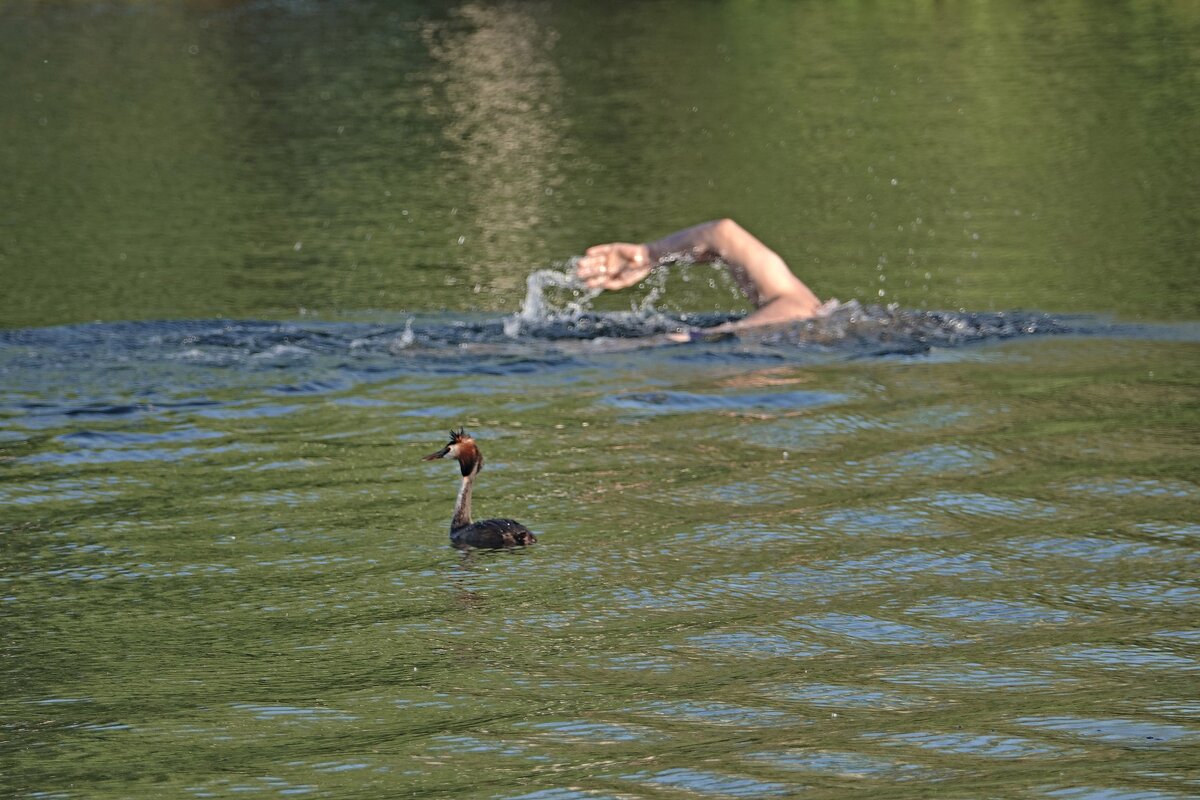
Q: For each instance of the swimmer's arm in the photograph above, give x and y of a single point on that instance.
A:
(764, 277)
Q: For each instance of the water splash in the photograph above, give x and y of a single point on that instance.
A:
(405, 339)
(556, 323)
(558, 306)
(537, 307)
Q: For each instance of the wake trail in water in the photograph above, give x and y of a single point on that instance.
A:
(857, 329)
(122, 367)
(540, 329)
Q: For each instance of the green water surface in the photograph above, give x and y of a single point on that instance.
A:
(198, 159)
(921, 578)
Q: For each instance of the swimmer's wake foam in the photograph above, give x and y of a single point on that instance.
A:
(541, 333)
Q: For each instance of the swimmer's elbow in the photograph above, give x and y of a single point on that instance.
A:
(786, 307)
(726, 230)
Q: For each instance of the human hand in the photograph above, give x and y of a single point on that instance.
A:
(614, 266)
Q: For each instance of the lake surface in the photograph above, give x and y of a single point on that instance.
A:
(257, 258)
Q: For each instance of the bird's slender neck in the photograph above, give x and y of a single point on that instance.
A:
(462, 506)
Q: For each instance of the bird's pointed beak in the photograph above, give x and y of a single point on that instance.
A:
(439, 454)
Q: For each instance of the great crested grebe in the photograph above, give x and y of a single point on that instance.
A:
(487, 532)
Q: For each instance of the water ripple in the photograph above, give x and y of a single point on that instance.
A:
(1097, 549)
(120, 454)
(977, 676)
(1003, 611)
(1129, 732)
(75, 490)
(561, 794)
(873, 630)
(711, 783)
(799, 433)
(294, 714)
(717, 713)
(1123, 657)
(975, 744)
(1137, 594)
(763, 645)
(1111, 793)
(915, 564)
(848, 765)
(827, 695)
(1184, 532)
(985, 505)
(673, 402)
(891, 520)
(1130, 487)
(577, 730)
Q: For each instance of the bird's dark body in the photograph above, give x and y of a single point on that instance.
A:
(492, 533)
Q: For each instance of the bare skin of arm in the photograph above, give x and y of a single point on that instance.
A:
(777, 294)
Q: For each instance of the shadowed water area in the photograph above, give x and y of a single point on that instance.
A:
(258, 257)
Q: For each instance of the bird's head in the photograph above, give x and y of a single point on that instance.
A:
(461, 448)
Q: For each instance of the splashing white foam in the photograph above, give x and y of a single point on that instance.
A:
(537, 307)
(405, 339)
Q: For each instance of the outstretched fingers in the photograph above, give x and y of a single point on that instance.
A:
(613, 266)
